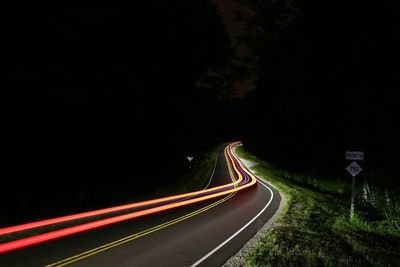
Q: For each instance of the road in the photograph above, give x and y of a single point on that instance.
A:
(205, 233)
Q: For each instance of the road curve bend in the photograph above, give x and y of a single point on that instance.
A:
(201, 228)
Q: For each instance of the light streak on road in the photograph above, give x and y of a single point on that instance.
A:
(244, 180)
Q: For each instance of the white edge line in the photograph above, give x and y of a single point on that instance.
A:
(215, 165)
(239, 231)
(211, 177)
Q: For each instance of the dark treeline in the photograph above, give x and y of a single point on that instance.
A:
(328, 79)
(104, 103)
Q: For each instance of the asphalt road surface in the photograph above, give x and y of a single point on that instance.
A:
(201, 234)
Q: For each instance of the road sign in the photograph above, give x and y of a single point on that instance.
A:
(354, 169)
(355, 155)
(190, 158)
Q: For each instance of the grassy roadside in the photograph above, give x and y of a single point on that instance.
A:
(195, 178)
(313, 229)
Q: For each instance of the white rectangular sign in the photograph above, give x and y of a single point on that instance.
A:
(354, 155)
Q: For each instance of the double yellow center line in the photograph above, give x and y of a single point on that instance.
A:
(147, 231)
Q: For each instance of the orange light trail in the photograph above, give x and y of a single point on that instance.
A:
(31, 225)
(33, 240)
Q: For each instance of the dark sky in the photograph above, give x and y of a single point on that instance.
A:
(226, 8)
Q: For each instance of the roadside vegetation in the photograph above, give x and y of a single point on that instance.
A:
(191, 179)
(314, 227)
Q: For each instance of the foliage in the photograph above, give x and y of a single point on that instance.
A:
(326, 82)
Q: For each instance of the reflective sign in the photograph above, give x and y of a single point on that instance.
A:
(354, 169)
(354, 155)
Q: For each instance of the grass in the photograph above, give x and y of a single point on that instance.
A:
(192, 179)
(314, 230)
(195, 178)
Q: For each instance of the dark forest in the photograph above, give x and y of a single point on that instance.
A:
(102, 103)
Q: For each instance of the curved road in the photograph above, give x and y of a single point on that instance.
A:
(201, 234)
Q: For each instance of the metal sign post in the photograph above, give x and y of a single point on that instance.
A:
(190, 158)
(353, 169)
(353, 195)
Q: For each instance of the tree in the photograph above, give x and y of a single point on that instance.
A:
(327, 71)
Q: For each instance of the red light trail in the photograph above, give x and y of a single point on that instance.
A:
(244, 180)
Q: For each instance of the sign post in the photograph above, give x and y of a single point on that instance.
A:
(353, 169)
(190, 158)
